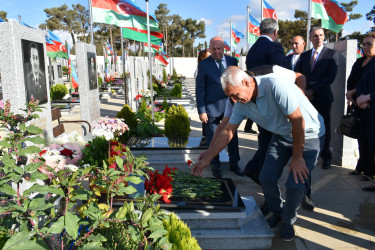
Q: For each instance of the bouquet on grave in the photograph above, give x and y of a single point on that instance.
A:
(109, 127)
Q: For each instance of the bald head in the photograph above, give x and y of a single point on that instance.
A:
(298, 45)
(217, 47)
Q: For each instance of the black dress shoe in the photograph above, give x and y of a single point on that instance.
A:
(273, 220)
(308, 203)
(370, 188)
(216, 171)
(253, 175)
(251, 131)
(326, 164)
(237, 170)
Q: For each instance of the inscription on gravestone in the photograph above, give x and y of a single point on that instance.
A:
(91, 60)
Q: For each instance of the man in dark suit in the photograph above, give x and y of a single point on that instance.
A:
(35, 79)
(211, 100)
(319, 65)
(298, 46)
(265, 51)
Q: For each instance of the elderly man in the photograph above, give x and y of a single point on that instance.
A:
(298, 46)
(211, 100)
(278, 105)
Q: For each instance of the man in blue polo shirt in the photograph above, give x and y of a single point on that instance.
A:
(278, 105)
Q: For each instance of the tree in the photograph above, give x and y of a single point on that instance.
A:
(62, 18)
(195, 29)
(161, 14)
(176, 33)
(83, 17)
(3, 15)
(371, 17)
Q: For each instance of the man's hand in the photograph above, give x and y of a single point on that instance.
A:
(363, 101)
(198, 167)
(310, 94)
(299, 169)
(203, 117)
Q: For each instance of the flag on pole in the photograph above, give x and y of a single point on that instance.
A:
(317, 10)
(105, 62)
(141, 35)
(289, 53)
(72, 72)
(237, 55)
(154, 48)
(1, 20)
(122, 13)
(359, 53)
(24, 24)
(109, 50)
(268, 11)
(337, 16)
(236, 36)
(254, 31)
(161, 59)
(226, 46)
(55, 47)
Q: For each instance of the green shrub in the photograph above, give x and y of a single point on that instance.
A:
(100, 80)
(164, 105)
(177, 126)
(174, 75)
(179, 234)
(95, 153)
(177, 90)
(179, 110)
(165, 77)
(128, 115)
(58, 91)
(156, 88)
(65, 70)
(143, 106)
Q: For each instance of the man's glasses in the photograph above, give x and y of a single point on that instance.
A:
(368, 45)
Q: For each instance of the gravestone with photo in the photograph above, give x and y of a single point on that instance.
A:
(23, 67)
(88, 82)
(58, 71)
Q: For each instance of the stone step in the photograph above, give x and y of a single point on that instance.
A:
(254, 232)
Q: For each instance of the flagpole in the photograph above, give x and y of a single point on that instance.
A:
(150, 63)
(247, 28)
(308, 26)
(123, 68)
(230, 37)
(91, 31)
(261, 10)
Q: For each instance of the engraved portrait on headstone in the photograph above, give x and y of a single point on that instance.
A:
(34, 71)
(59, 71)
(51, 75)
(93, 82)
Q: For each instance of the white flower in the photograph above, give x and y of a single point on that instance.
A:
(71, 167)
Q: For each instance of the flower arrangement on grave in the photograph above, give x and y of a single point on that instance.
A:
(109, 127)
(160, 183)
(47, 216)
(145, 93)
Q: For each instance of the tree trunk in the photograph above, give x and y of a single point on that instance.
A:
(166, 41)
(74, 40)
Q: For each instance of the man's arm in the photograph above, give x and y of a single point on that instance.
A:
(200, 90)
(301, 81)
(215, 148)
(298, 164)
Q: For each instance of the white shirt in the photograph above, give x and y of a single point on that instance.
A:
(319, 51)
(294, 60)
(224, 62)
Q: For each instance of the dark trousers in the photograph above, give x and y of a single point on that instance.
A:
(234, 155)
(324, 110)
(248, 125)
(366, 161)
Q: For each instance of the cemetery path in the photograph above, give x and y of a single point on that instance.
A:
(344, 217)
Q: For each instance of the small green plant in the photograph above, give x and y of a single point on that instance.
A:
(177, 110)
(177, 126)
(58, 91)
(65, 70)
(128, 115)
(177, 90)
(164, 105)
(95, 152)
(174, 75)
(100, 80)
(165, 77)
(179, 234)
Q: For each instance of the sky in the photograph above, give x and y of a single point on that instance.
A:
(215, 13)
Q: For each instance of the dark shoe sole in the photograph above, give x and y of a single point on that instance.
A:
(369, 188)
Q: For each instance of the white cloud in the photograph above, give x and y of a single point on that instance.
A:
(208, 22)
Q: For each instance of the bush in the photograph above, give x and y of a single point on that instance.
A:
(164, 105)
(95, 152)
(65, 70)
(128, 115)
(177, 90)
(179, 110)
(165, 77)
(58, 91)
(174, 76)
(177, 126)
(100, 80)
(156, 88)
(179, 234)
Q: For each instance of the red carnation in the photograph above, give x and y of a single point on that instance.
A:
(43, 152)
(189, 162)
(66, 152)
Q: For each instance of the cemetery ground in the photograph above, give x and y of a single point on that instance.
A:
(344, 216)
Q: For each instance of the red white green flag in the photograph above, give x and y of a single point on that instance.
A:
(337, 16)
(159, 58)
(154, 48)
(55, 47)
(317, 10)
(359, 53)
(253, 29)
(122, 13)
(141, 35)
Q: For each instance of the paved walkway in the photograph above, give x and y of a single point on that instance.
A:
(344, 217)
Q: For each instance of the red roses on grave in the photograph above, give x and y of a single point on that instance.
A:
(160, 183)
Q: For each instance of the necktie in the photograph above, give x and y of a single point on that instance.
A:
(221, 66)
(313, 60)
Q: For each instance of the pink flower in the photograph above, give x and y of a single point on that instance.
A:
(2, 104)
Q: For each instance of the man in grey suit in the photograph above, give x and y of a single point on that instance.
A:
(298, 46)
(319, 66)
(36, 79)
(211, 100)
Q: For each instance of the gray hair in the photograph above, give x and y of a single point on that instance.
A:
(316, 28)
(268, 26)
(233, 75)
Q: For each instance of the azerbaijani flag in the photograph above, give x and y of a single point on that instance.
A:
(122, 13)
(268, 11)
(161, 59)
(254, 31)
(237, 55)
(226, 46)
(337, 16)
(359, 53)
(24, 24)
(154, 48)
(236, 36)
(1, 20)
(141, 35)
(72, 72)
(55, 47)
(317, 10)
(109, 50)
